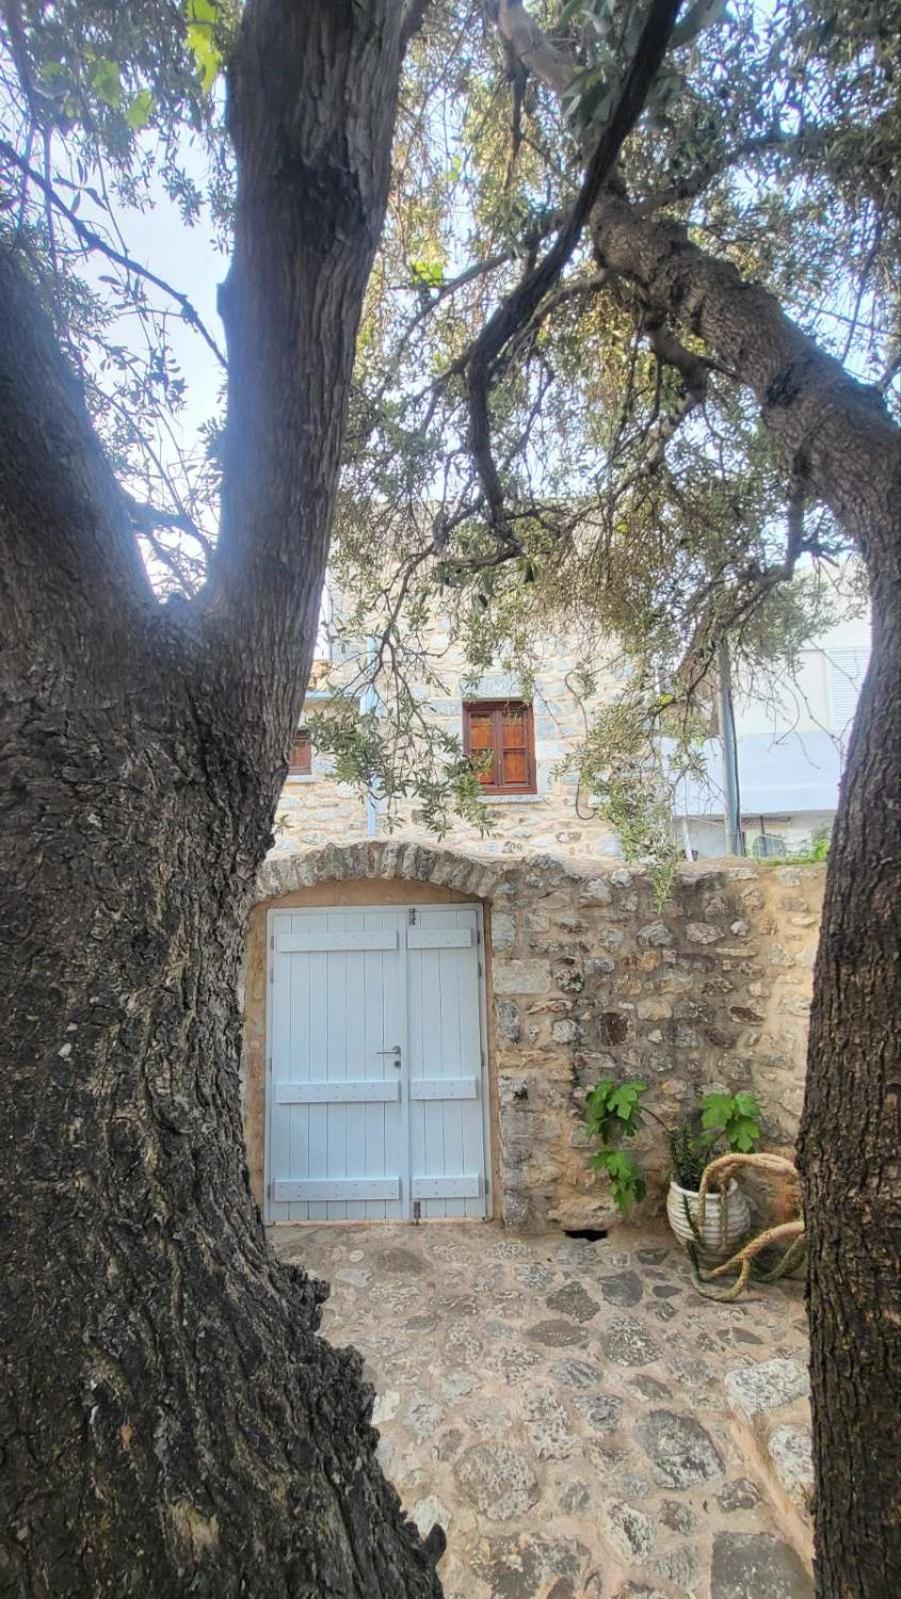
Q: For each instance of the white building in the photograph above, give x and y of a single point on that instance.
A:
(791, 744)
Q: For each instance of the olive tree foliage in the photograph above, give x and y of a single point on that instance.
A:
(108, 111)
(534, 441)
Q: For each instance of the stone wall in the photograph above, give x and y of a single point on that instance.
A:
(588, 979)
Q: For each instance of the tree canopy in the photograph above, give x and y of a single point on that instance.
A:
(603, 465)
(642, 496)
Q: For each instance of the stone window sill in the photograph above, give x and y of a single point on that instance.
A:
(512, 799)
(304, 777)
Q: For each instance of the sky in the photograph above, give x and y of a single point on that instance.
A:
(186, 257)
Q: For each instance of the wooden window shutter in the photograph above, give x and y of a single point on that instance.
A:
(506, 729)
(300, 763)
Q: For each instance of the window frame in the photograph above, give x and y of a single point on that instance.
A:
(496, 709)
(301, 771)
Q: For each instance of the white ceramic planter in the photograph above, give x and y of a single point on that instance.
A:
(722, 1234)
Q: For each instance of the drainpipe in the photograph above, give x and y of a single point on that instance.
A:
(369, 701)
(731, 788)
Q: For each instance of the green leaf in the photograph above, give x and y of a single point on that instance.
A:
(743, 1134)
(429, 273)
(625, 1099)
(106, 82)
(139, 110)
(716, 1110)
(626, 1181)
(595, 103)
(746, 1104)
(202, 16)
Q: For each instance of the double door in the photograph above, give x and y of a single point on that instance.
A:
(376, 1082)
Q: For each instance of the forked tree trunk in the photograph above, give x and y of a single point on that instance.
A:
(171, 1423)
(174, 1424)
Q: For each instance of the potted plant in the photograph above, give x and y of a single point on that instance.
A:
(725, 1122)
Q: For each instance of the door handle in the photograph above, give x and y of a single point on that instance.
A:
(394, 1050)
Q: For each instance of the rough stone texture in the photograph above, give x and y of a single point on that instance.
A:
(621, 1288)
(586, 979)
(556, 1471)
(791, 1452)
(574, 1301)
(681, 1451)
(766, 1385)
(629, 1343)
(498, 1481)
(629, 1530)
(749, 1565)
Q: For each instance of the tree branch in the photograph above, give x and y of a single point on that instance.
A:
(532, 47)
(91, 240)
(696, 182)
(62, 509)
(833, 430)
(520, 306)
(146, 518)
(312, 95)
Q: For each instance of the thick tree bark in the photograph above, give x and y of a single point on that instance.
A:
(850, 1152)
(171, 1423)
(839, 443)
(834, 433)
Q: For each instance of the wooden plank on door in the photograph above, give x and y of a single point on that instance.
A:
(440, 938)
(335, 939)
(337, 1093)
(467, 1186)
(444, 1088)
(336, 1190)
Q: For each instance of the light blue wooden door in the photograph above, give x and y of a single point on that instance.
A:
(444, 1053)
(337, 1134)
(376, 1069)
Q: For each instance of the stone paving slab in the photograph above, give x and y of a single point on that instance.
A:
(573, 1413)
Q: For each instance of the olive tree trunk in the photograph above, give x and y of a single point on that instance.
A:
(838, 442)
(850, 1152)
(170, 1421)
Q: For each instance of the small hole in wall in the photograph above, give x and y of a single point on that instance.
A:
(592, 1235)
(614, 1027)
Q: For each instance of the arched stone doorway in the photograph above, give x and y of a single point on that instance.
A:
(361, 885)
(586, 977)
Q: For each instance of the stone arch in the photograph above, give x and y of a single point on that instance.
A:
(380, 858)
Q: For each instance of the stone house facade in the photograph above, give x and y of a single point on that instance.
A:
(550, 815)
(790, 750)
(583, 978)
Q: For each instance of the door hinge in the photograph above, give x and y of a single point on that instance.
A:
(272, 974)
(272, 941)
(411, 916)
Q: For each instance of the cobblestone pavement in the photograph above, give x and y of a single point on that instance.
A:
(583, 1425)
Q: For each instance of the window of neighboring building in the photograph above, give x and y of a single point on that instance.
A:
(300, 761)
(503, 731)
